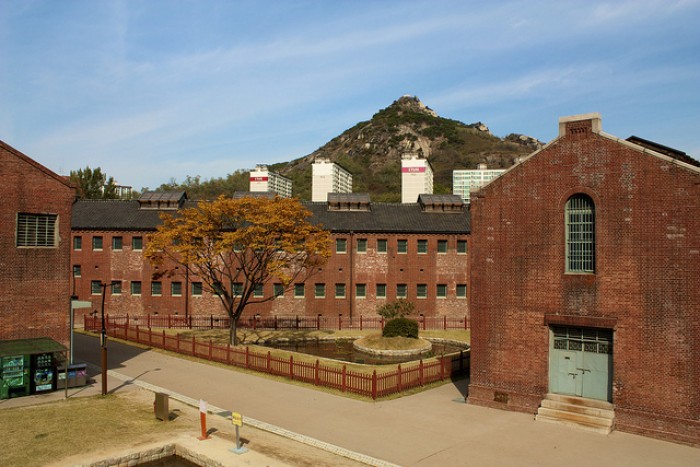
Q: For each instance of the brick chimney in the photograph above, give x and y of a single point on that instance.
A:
(580, 125)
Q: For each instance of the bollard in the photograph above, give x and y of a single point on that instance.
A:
(237, 420)
(160, 406)
(203, 419)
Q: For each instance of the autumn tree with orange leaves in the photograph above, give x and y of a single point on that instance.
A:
(250, 241)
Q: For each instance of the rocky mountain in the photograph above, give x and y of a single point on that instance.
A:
(371, 150)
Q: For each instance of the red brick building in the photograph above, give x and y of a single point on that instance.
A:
(585, 276)
(380, 252)
(35, 216)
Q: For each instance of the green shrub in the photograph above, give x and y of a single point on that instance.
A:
(396, 309)
(401, 327)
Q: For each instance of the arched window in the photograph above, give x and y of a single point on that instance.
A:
(580, 234)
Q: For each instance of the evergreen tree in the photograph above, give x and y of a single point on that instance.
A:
(93, 184)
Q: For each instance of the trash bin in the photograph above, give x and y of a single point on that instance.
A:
(77, 376)
(160, 406)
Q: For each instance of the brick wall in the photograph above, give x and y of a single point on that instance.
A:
(350, 268)
(34, 282)
(645, 285)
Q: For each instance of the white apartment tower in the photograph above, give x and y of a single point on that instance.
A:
(262, 180)
(466, 181)
(328, 177)
(416, 177)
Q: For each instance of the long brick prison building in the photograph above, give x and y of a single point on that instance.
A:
(380, 252)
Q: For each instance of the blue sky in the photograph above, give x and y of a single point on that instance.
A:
(154, 90)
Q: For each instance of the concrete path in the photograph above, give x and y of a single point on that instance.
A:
(435, 427)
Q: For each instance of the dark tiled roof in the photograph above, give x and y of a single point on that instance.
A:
(440, 199)
(384, 217)
(670, 152)
(350, 198)
(253, 194)
(390, 217)
(163, 196)
(95, 214)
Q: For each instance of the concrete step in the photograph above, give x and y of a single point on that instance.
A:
(585, 426)
(573, 400)
(589, 414)
(575, 417)
(580, 409)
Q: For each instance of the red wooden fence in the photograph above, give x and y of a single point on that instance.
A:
(272, 322)
(374, 385)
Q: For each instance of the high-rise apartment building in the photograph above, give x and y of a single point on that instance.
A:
(328, 177)
(466, 181)
(416, 177)
(261, 180)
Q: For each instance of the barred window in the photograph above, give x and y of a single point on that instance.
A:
(320, 290)
(341, 245)
(461, 291)
(401, 290)
(461, 247)
(36, 230)
(402, 246)
(580, 234)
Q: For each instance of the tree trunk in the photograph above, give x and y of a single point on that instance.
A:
(232, 332)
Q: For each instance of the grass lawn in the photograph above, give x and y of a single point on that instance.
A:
(79, 429)
(40, 434)
(250, 336)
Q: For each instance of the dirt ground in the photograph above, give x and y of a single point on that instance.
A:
(113, 438)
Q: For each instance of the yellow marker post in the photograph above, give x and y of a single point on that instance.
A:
(237, 421)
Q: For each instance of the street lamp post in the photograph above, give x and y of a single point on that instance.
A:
(103, 339)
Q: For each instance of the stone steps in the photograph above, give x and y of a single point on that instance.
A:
(589, 414)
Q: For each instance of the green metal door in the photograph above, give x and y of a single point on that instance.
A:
(564, 378)
(580, 362)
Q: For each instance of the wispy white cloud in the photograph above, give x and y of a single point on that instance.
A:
(123, 84)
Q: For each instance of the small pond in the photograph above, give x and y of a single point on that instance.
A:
(343, 350)
(170, 461)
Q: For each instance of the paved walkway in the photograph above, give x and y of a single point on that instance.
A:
(435, 427)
